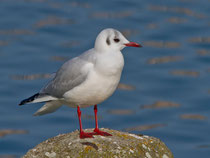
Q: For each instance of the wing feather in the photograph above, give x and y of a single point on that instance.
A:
(71, 74)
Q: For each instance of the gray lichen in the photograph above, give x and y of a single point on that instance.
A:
(120, 144)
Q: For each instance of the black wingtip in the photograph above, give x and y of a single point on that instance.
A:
(21, 103)
(30, 99)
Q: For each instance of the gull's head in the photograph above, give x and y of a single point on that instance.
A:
(112, 40)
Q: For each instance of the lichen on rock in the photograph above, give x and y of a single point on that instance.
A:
(120, 144)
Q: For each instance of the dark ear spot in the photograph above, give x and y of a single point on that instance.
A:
(108, 41)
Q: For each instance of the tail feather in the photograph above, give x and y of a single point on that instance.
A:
(38, 97)
(49, 107)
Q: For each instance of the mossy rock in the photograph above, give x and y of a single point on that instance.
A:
(120, 144)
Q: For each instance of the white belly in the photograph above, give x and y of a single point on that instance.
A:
(94, 90)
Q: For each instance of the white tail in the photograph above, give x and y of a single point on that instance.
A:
(49, 107)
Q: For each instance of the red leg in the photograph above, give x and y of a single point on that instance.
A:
(96, 130)
(82, 133)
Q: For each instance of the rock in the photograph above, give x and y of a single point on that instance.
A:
(120, 144)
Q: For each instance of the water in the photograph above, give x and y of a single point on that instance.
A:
(170, 74)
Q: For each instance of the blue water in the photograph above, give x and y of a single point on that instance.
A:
(37, 36)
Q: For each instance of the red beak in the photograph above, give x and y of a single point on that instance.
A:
(133, 44)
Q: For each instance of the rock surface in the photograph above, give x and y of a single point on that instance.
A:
(120, 144)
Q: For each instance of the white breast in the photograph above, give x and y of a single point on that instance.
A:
(102, 81)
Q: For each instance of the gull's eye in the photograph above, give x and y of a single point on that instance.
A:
(116, 40)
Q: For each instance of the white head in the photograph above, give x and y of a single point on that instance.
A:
(112, 40)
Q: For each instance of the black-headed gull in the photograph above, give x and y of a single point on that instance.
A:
(86, 80)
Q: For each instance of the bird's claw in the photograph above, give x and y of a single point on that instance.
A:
(99, 132)
(84, 135)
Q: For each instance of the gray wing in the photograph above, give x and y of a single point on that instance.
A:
(70, 75)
